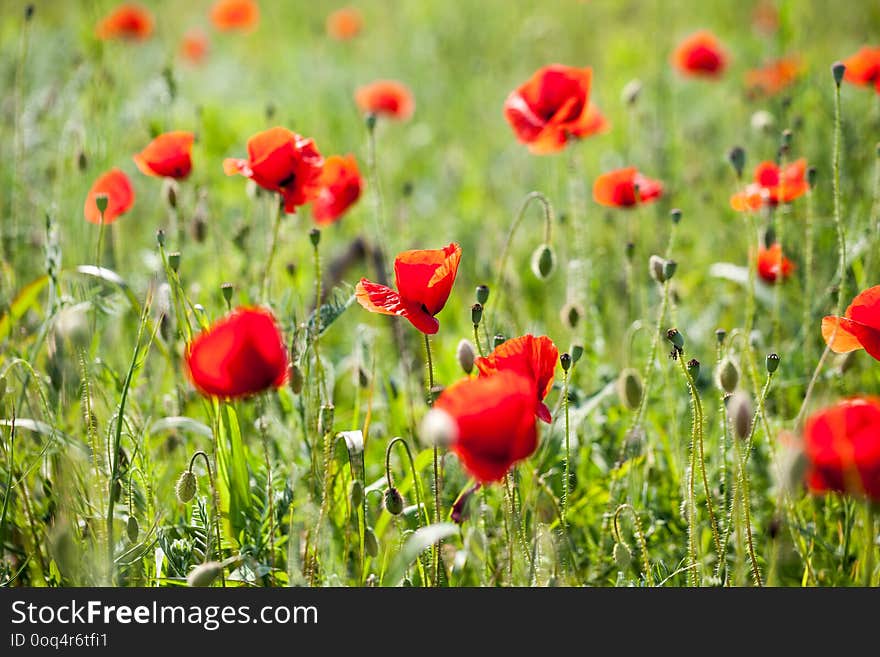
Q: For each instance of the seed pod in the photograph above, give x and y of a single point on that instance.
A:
(675, 215)
(630, 388)
(315, 237)
(543, 261)
(227, 289)
(81, 160)
(812, 172)
(204, 574)
(132, 529)
(356, 493)
(174, 260)
(737, 158)
(393, 501)
(477, 314)
(297, 379)
(371, 545)
(720, 334)
(693, 368)
(772, 363)
(482, 294)
(187, 486)
(466, 355)
(498, 340)
(675, 338)
(739, 408)
(837, 71)
(727, 375)
(622, 555)
(565, 361)
(101, 201)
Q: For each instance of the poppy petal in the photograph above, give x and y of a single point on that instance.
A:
(379, 298)
(850, 336)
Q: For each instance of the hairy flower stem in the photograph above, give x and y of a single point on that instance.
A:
(429, 398)
(416, 483)
(870, 542)
(273, 248)
(743, 481)
(806, 332)
(567, 476)
(215, 504)
(477, 341)
(640, 538)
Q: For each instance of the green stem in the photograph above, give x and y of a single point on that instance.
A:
(567, 475)
(273, 248)
(640, 538)
(429, 398)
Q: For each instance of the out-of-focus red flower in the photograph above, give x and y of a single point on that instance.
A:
(772, 186)
(239, 355)
(232, 15)
(194, 46)
(618, 188)
(494, 422)
(385, 98)
(863, 68)
(842, 445)
(341, 186)
(774, 76)
(282, 161)
(700, 55)
(424, 280)
(127, 21)
(765, 17)
(773, 266)
(552, 107)
(116, 186)
(167, 156)
(344, 24)
(532, 357)
(859, 328)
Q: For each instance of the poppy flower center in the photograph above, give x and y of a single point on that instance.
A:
(286, 182)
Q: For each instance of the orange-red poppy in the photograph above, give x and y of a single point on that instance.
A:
(772, 186)
(700, 55)
(624, 188)
(863, 68)
(345, 23)
(127, 21)
(494, 422)
(552, 107)
(167, 156)
(235, 15)
(116, 186)
(385, 98)
(773, 266)
(532, 357)
(765, 17)
(281, 161)
(859, 328)
(424, 280)
(842, 446)
(774, 76)
(239, 355)
(194, 46)
(341, 186)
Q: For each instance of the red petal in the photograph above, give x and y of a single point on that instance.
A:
(529, 356)
(229, 15)
(387, 97)
(120, 197)
(341, 186)
(700, 54)
(168, 155)
(425, 277)
(616, 189)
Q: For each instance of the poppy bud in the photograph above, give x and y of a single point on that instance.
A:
(811, 177)
(482, 294)
(466, 355)
(669, 267)
(393, 501)
(675, 215)
(720, 334)
(169, 191)
(631, 91)
(565, 361)
(772, 363)
(737, 158)
(174, 260)
(498, 340)
(29, 12)
(622, 555)
(727, 376)
(629, 250)
(160, 237)
(630, 388)
(476, 314)
(739, 408)
(675, 337)
(204, 574)
(370, 120)
(571, 314)
(227, 289)
(132, 529)
(438, 428)
(837, 70)
(297, 380)
(577, 350)
(543, 261)
(356, 493)
(371, 545)
(315, 237)
(101, 201)
(81, 160)
(693, 368)
(655, 265)
(290, 268)
(769, 237)
(186, 487)
(325, 419)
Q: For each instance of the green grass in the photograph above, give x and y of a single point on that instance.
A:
(452, 173)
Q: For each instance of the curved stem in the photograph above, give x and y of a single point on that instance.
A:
(640, 538)
(412, 466)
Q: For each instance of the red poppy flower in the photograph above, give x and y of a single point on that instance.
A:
(617, 189)
(341, 186)
(232, 15)
(773, 77)
(424, 280)
(842, 445)
(863, 68)
(167, 156)
(116, 186)
(386, 97)
(127, 21)
(281, 161)
(700, 55)
(773, 266)
(772, 186)
(532, 357)
(194, 46)
(859, 328)
(552, 107)
(494, 422)
(344, 24)
(239, 355)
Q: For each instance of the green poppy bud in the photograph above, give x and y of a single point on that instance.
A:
(393, 501)
(543, 261)
(186, 487)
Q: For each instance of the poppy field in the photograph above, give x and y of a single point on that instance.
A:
(440, 294)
